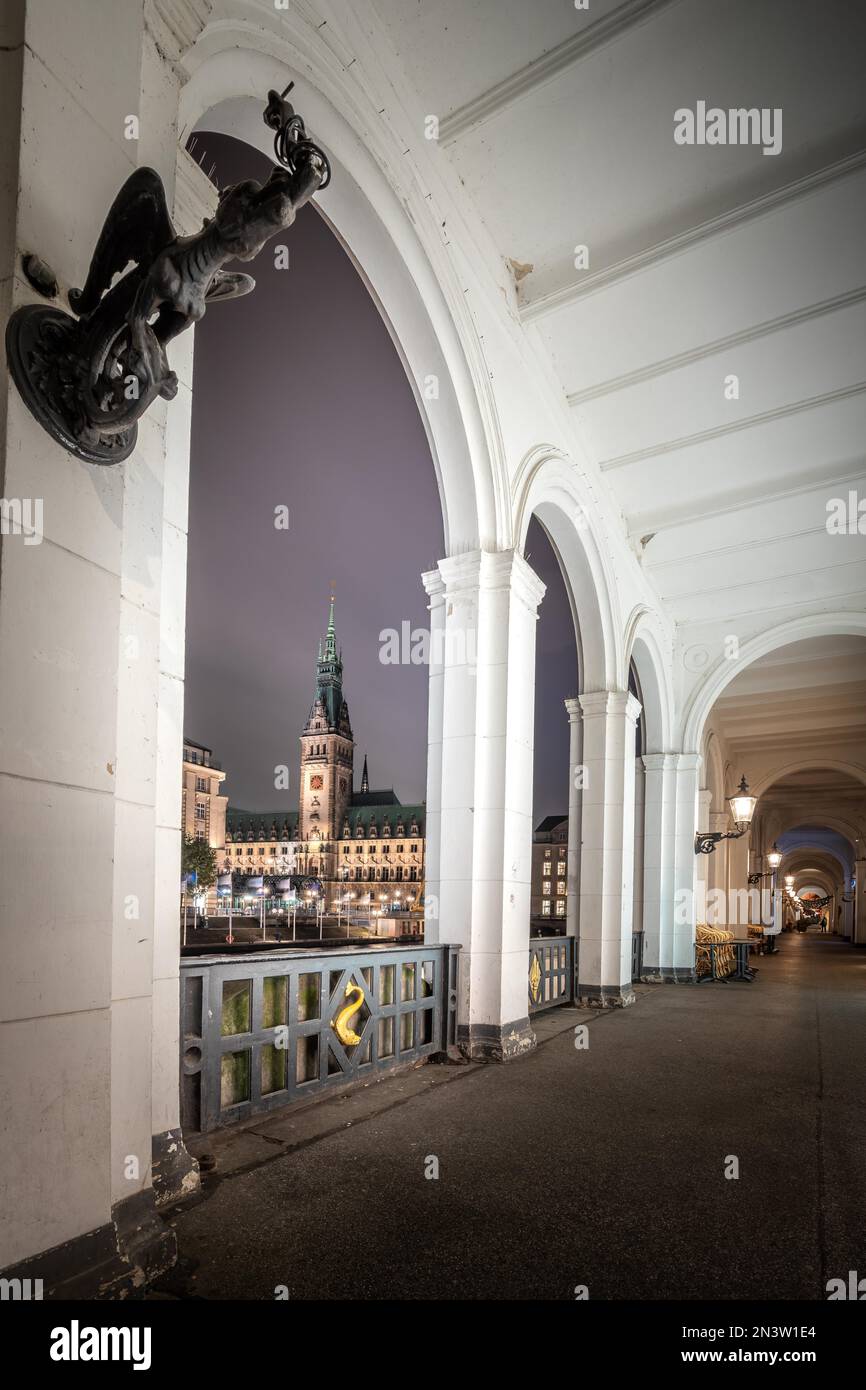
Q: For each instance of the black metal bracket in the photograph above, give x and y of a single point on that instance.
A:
(706, 840)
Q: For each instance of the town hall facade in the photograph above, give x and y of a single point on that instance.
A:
(346, 840)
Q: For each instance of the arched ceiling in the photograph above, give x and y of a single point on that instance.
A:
(704, 262)
(810, 692)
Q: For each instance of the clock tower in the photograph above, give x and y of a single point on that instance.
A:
(327, 764)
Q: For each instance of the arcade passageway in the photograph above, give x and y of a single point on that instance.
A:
(602, 1166)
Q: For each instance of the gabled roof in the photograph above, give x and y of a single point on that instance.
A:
(379, 798)
(550, 823)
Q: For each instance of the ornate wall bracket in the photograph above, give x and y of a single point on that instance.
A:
(88, 377)
(706, 840)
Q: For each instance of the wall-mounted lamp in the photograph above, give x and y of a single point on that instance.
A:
(774, 859)
(789, 882)
(742, 805)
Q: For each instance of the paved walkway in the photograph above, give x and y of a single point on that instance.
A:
(602, 1167)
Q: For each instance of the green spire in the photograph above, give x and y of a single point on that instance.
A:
(331, 636)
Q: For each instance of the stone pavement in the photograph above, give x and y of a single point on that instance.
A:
(602, 1167)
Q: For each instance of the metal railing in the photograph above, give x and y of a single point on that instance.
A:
(551, 972)
(260, 1031)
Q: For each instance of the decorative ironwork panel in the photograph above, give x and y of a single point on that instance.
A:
(261, 1030)
(551, 972)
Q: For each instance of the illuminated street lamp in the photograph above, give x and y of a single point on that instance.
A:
(774, 857)
(742, 805)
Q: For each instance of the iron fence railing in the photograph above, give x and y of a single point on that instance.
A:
(260, 1031)
(551, 972)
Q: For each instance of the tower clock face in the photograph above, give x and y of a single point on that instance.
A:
(316, 783)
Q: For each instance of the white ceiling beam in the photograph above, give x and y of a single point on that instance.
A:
(651, 523)
(711, 349)
(544, 69)
(747, 422)
(683, 241)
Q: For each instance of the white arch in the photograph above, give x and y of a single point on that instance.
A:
(838, 624)
(232, 65)
(714, 770)
(852, 770)
(645, 645)
(548, 485)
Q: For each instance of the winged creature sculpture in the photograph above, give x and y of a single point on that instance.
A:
(89, 379)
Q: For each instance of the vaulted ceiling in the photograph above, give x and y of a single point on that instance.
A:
(805, 694)
(704, 263)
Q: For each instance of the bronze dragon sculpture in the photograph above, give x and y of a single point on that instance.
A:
(89, 379)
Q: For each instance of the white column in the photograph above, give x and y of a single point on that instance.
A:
(859, 936)
(607, 847)
(575, 801)
(717, 867)
(659, 845)
(680, 964)
(480, 778)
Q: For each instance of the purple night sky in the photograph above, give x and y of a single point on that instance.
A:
(301, 400)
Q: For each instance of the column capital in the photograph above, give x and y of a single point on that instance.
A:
(595, 703)
(491, 569)
(659, 762)
(572, 705)
(433, 583)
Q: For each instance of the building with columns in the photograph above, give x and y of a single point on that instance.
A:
(652, 348)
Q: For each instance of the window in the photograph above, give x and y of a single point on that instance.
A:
(200, 835)
(545, 888)
(345, 849)
(399, 873)
(414, 849)
(545, 869)
(399, 849)
(562, 851)
(547, 854)
(545, 909)
(560, 868)
(560, 908)
(201, 784)
(413, 874)
(200, 810)
(250, 850)
(560, 888)
(386, 873)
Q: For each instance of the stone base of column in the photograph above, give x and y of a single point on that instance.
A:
(175, 1171)
(670, 975)
(604, 996)
(115, 1261)
(492, 1042)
